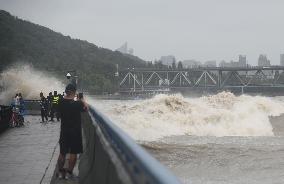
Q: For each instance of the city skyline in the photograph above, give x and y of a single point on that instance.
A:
(202, 30)
(281, 60)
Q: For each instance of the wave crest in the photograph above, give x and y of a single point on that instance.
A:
(223, 114)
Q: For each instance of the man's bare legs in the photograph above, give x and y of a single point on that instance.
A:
(60, 164)
(72, 162)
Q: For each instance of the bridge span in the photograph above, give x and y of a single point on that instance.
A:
(205, 78)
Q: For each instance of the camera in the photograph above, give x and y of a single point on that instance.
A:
(80, 96)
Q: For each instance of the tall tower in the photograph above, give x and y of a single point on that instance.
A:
(123, 48)
(263, 61)
(282, 59)
(242, 60)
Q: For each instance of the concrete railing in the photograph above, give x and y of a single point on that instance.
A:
(5, 117)
(110, 156)
(32, 107)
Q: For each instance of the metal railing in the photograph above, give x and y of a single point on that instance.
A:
(111, 156)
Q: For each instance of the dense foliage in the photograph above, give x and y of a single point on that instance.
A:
(47, 50)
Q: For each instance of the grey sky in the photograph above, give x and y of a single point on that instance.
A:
(189, 29)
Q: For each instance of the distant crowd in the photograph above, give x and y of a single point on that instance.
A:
(49, 106)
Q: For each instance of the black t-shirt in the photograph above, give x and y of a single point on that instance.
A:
(70, 112)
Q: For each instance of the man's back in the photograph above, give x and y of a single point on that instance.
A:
(70, 112)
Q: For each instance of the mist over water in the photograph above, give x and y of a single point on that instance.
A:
(223, 114)
(28, 81)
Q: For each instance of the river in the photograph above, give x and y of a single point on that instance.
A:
(221, 138)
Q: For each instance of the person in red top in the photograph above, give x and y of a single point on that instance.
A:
(70, 140)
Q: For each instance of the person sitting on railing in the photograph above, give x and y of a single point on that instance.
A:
(70, 140)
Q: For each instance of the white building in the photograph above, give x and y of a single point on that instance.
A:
(168, 60)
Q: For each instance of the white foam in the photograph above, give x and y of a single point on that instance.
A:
(28, 81)
(223, 114)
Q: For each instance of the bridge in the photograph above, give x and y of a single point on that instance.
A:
(204, 78)
(29, 154)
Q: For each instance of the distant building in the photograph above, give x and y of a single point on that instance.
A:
(130, 51)
(241, 63)
(242, 60)
(124, 49)
(191, 64)
(263, 61)
(223, 63)
(168, 60)
(282, 59)
(210, 64)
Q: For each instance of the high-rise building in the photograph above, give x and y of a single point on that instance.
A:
(242, 60)
(263, 61)
(124, 49)
(282, 59)
(241, 63)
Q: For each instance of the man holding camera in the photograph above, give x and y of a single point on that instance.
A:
(70, 134)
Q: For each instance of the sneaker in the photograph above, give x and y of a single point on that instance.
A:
(72, 177)
(61, 174)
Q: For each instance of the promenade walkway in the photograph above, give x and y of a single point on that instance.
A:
(28, 154)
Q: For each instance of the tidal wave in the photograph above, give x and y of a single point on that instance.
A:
(223, 114)
(28, 81)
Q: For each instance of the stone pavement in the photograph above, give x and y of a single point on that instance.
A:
(28, 154)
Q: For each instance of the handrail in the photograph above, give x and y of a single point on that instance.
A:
(140, 165)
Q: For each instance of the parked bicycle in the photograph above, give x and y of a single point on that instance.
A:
(17, 119)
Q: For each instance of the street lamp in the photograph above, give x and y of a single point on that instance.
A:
(68, 75)
(74, 77)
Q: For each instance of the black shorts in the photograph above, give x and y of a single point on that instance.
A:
(70, 144)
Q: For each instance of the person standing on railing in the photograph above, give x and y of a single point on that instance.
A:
(70, 140)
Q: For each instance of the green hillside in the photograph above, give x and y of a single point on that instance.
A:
(47, 50)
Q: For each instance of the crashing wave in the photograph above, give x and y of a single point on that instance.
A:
(223, 114)
(28, 81)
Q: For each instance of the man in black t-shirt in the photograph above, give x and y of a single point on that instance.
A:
(43, 107)
(70, 140)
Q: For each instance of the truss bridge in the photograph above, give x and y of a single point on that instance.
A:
(204, 78)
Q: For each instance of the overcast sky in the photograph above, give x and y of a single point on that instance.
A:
(188, 29)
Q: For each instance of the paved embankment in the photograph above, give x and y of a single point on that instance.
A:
(28, 154)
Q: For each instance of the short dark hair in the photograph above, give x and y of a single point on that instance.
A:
(70, 88)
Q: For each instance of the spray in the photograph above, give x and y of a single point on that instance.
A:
(23, 78)
(223, 114)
